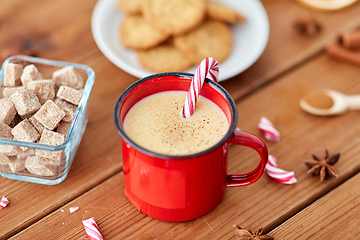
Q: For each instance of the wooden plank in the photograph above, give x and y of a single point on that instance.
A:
(62, 224)
(317, 222)
(39, 27)
(286, 48)
(266, 203)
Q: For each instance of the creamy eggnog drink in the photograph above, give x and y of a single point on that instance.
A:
(156, 123)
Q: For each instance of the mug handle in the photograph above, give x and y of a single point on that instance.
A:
(254, 142)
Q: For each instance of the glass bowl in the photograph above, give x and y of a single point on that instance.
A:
(67, 150)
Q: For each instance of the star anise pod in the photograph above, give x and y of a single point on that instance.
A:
(323, 167)
(249, 234)
(307, 26)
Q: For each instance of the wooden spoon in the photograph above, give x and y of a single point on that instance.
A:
(329, 102)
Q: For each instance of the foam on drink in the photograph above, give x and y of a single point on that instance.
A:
(156, 123)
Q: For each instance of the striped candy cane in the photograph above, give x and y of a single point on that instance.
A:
(278, 174)
(92, 229)
(269, 130)
(73, 209)
(4, 202)
(207, 68)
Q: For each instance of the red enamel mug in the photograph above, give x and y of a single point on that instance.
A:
(182, 188)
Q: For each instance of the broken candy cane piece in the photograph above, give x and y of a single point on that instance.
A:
(4, 202)
(73, 209)
(268, 129)
(92, 229)
(278, 174)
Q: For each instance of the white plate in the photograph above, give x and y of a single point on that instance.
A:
(250, 38)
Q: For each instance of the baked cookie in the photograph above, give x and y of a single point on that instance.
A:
(211, 39)
(164, 58)
(220, 12)
(174, 16)
(130, 6)
(136, 33)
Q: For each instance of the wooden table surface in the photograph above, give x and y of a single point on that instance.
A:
(291, 66)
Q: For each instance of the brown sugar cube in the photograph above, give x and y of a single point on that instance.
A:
(8, 150)
(12, 74)
(5, 131)
(39, 127)
(4, 160)
(49, 115)
(25, 153)
(4, 168)
(2, 91)
(8, 91)
(47, 161)
(69, 94)
(44, 89)
(63, 128)
(15, 121)
(68, 76)
(25, 131)
(51, 138)
(68, 108)
(7, 111)
(35, 165)
(17, 165)
(29, 74)
(26, 102)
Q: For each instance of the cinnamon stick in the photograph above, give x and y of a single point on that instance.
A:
(350, 40)
(344, 54)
